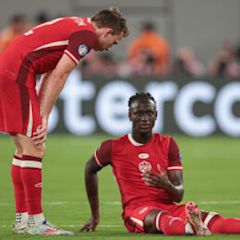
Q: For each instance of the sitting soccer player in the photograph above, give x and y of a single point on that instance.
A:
(148, 171)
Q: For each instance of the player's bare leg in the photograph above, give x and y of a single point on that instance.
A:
(19, 149)
(194, 218)
(29, 148)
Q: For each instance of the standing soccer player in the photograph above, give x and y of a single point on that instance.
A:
(52, 49)
(148, 170)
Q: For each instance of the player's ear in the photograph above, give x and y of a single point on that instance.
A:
(104, 31)
(108, 31)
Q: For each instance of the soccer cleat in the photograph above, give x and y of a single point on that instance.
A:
(20, 228)
(194, 218)
(48, 229)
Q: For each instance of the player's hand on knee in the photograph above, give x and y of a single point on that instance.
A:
(90, 225)
(40, 136)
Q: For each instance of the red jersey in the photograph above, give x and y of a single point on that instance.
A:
(129, 159)
(39, 50)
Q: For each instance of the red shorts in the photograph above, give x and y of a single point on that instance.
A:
(134, 217)
(19, 109)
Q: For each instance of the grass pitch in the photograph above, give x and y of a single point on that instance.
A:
(211, 179)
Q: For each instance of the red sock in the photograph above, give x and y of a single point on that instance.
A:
(225, 225)
(19, 194)
(32, 179)
(170, 225)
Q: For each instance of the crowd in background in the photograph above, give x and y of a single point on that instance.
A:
(149, 54)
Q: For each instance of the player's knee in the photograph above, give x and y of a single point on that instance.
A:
(34, 150)
(18, 147)
(37, 151)
(149, 222)
(42, 150)
(18, 152)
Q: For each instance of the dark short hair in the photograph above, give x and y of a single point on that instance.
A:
(140, 96)
(112, 18)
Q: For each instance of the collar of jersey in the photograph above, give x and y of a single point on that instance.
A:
(133, 142)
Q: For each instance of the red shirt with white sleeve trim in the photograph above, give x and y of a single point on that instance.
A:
(129, 159)
(39, 50)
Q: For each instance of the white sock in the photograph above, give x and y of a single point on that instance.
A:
(35, 219)
(188, 229)
(22, 217)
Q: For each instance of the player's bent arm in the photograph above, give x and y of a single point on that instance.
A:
(48, 93)
(43, 79)
(40, 136)
(53, 84)
(176, 190)
(91, 184)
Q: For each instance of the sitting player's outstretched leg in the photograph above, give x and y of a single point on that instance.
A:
(194, 218)
(221, 225)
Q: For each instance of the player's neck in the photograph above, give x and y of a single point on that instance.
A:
(141, 137)
(98, 30)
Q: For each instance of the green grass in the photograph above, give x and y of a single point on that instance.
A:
(211, 178)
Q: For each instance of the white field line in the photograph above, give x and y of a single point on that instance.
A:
(227, 202)
(101, 226)
(78, 226)
(59, 203)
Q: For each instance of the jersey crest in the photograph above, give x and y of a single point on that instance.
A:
(144, 166)
(83, 50)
